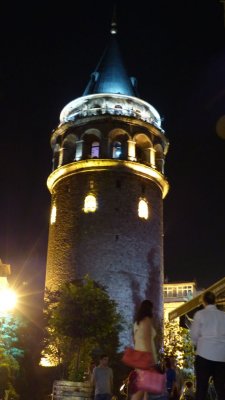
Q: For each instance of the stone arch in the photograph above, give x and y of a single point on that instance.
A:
(159, 157)
(92, 141)
(96, 108)
(55, 158)
(68, 148)
(143, 147)
(92, 131)
(118, 143)
(118, 109)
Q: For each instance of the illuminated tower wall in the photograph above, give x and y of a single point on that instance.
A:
(107, 189)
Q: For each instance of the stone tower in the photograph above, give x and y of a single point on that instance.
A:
(107, 188)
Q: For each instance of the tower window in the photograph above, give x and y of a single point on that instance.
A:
(117, 149)
(95, 147)
(53, 214)
(143, 209)
(118, 183)
(90, 203)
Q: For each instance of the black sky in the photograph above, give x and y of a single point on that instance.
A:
(176, 50)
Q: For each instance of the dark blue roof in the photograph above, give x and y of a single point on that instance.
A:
(110, 75)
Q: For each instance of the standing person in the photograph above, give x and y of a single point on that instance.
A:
(208, 335)
(170, 379)
(144, 335)
(102, 379)
(179, 377)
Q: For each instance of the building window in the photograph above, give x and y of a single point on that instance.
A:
(90, 203)
(95, 149)
(143, 209)
(53, 214)
(117, 150)
(178, 291)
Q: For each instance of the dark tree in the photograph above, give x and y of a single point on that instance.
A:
(81, 321)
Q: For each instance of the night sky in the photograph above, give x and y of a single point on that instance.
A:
(176, 50)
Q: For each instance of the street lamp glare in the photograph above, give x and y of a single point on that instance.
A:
(8, 300)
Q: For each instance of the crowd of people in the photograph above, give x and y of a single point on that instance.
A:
(208, 336)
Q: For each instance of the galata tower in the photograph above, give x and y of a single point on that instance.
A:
(107, 188)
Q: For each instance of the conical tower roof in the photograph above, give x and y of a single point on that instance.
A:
(110, 75)
(111, 90)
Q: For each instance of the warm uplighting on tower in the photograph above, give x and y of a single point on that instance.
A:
(8, 300)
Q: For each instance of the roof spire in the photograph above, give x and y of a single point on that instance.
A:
(110, 75)
(113, 29)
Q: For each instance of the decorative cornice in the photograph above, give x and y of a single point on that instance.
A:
(104, 165)
(115, 104)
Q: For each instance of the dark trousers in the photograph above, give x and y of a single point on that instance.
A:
(204, 369)
(103, 396)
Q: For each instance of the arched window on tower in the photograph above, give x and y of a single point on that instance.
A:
(95, 149)
(69, 149)
(53, 214)
(159, 157)
(55, 160)
(143, 209)
(90, 203)
(117, 149)
(143, 145)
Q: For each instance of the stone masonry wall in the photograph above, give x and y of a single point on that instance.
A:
(113, 245)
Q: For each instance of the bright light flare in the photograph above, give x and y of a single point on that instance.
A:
(45, 362)
(49, 360)
(122, 387)
(8, 300)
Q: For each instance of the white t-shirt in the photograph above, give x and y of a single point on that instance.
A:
(208, 333)
(144, 336)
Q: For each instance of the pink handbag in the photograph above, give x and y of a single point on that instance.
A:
(137, 359)
(151, 381)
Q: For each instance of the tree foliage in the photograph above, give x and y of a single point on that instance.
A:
(10, 354)
(81, 319)
(19, 354)
(177, 342)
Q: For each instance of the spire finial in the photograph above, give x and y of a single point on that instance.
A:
(113, 29)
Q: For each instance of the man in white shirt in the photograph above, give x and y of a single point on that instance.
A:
(208, 335)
